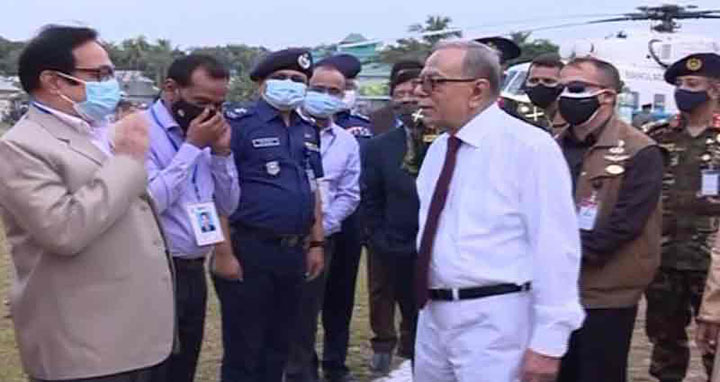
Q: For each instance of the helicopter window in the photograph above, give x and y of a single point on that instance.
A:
(507, 78)
(659, 102)
(515, 85)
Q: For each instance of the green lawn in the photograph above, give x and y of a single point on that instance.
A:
(10, 370)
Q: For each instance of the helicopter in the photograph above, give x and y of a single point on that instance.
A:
(641, 57)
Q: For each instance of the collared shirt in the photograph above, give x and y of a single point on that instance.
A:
(275, 164)
(340, 187)
(98, 133)
(181, 174)
(509, 218)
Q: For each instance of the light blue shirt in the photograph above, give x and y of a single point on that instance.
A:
(181, 174)
(340, 187)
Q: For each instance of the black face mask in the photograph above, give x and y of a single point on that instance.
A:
(543, 96)
(184, 112)
(577, 111)
(687, 101)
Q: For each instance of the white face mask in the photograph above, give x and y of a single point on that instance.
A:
(349, 99)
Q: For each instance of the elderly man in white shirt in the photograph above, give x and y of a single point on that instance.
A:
(499, 252)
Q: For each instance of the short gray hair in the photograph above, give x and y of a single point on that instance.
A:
(481, 61)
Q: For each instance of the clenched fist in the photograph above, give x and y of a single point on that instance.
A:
(131, 136)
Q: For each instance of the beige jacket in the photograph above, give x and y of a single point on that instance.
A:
(94, 291)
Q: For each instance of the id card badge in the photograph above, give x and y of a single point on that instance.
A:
(587, 213)
(710, 183)
(205, 223)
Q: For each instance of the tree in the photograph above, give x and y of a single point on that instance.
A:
(9, 54)
(530, 48)
(412, 48)
(240, 59)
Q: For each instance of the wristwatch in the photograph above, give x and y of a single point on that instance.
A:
(314, 244)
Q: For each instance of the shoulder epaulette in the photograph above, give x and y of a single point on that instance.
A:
(237, 111)
(361, 116)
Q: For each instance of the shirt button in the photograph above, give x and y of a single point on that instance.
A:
(583, 173)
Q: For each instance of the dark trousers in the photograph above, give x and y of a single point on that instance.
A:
(155, 373)
(598, 351)
(673, 299)
(302, 364)
(340, 296)
(391, 283)
(258, 313)
(190, 304)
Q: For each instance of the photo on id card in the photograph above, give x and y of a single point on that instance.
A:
(205, 223)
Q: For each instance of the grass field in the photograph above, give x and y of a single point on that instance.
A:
(359, 354)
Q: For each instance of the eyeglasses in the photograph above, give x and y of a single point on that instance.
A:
(294, 78)
(578, 87)
(100, 74)
(335, 92)
(429, 84)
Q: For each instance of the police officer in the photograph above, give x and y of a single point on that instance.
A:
(691, 210)
(276, 231)
(343, 268)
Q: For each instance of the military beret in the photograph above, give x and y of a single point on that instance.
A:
(347, 64)
(698, 64)
(404, 71)
(298, 59)
(507, 49)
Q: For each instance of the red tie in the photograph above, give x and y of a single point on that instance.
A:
(436, 207)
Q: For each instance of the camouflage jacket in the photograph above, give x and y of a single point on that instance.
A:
(689, 220)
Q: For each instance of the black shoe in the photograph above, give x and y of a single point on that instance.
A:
(380, 363)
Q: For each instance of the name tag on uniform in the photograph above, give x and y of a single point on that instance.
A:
(710, 183)
(587, 214)
(205, 223)
(266, 142)
(312, 147)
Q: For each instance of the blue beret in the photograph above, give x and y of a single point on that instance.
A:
(507, 48)
(699, 64)
(298, 59)
(347, 64)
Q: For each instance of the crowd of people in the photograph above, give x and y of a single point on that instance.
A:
(513, 252)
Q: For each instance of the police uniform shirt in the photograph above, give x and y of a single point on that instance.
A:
(355, 124)
(276, 166)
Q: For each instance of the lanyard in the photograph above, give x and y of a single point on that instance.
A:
(177, 148)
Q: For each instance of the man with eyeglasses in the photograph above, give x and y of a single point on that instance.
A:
(339, 300)
(190, 167)
(340, 191)
(391, 207)
(93, 297)
(277, 230)
(691, 208)
(543, 88)
(499, 253)
(617, 174)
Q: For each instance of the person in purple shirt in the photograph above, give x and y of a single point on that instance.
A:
(340, 194)
(191, 173)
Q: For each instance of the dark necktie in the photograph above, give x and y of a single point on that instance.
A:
(437, 204)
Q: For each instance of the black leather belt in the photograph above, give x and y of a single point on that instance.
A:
(477, 292)
(289, 241)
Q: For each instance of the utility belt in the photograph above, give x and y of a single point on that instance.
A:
(457, 294)
(288, 241)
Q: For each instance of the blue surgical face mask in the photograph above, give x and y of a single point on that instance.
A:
(101, 99)
(284, 95)
(321, 105)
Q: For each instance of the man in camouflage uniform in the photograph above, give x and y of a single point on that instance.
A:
(690, 216)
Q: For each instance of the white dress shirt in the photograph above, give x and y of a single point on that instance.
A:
(509, 218)
(340, 185)
(98, 134)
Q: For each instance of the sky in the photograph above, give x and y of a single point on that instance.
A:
(277, 24)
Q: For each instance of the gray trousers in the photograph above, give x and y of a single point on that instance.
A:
(302, 364)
